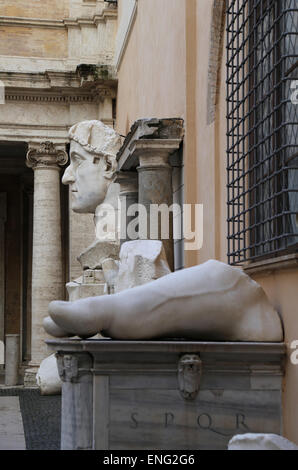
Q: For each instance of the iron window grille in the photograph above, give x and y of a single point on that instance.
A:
(262, 132)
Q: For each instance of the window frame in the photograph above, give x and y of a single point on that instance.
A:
(245, 136)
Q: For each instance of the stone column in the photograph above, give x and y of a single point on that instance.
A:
(12, 354)
(155, 182)
(128, 181)
(47, 274)
(2, 270)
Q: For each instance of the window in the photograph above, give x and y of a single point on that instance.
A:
(262, 132)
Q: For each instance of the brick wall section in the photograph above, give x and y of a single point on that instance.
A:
(50, 9)
(215, 54)
(33, 42)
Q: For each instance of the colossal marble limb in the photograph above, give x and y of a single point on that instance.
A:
(212, 301)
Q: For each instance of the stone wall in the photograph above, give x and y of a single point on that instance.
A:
(33, 41)
(54, 9)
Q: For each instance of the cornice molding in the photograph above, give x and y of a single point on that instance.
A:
(37, 22)
(65, 98)
(107, 14)
(150, 137)
(63, 79)
(56, 87)
(49, 98)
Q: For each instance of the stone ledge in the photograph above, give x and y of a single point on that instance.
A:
(183, 346)
(86, 79)
(272, 264)
(107, 14)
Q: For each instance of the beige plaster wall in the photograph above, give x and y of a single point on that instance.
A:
(281, 288)
(152, 76)
(164, 73)
(210, 175)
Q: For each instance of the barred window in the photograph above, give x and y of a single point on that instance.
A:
(262, 132)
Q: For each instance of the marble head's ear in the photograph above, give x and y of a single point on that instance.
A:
(111, 166)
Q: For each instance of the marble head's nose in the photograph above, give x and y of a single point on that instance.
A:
(68, 177)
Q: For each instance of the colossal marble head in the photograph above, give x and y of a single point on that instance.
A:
(93, 150)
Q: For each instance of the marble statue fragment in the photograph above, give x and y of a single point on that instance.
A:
(141, 261)
(260, 442)
(47, 378)
(209, 302)
(93, 149)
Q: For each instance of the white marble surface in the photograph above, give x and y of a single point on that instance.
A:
(252, 441)
(11, 426)
(141, 261)
(47, 377)
(212, 302)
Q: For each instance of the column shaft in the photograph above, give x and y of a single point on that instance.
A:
(128, 181)
(155, 187)
(47, 269)
(47, 282)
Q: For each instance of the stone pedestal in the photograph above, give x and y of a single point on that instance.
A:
(167, 395)
(47, 274)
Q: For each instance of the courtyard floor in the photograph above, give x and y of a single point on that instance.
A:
(29, 420)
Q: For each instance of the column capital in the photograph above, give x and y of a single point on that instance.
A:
(150, 138)
(154, 152)
(128, 181)
(46, 155)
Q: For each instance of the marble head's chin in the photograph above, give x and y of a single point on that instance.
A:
(82, 207)
(80, 210)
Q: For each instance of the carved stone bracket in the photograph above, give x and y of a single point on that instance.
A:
(72, 367)
(189, 376)
(45, 154)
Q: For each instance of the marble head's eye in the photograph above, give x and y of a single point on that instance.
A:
(76, 160)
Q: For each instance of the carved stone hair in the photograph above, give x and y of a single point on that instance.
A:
(98, 139)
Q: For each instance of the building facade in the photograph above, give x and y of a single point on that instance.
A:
(56, 68)
(228, 69)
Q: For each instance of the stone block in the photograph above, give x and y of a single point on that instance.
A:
(167, 395)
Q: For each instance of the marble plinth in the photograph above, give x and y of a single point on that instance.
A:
(167, 394)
